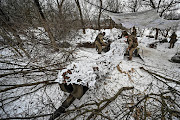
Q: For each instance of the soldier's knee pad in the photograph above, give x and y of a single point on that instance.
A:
(77, 91)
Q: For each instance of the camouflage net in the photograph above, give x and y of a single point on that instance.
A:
(87, 72)
(144, 19)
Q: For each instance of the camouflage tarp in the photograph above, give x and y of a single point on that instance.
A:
(144, 19)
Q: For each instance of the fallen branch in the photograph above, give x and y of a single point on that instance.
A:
(20, 118)
(168, 79)
(17, 97)
(7, 62)
(129, 76)
(108, 101)
(29, 71)
(28, 84)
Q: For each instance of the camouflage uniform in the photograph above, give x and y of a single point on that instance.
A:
(75, 90)
(173, 40)
(99, 42)
(134, 32)
(132, 45)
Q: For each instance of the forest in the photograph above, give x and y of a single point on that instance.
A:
(50, 68)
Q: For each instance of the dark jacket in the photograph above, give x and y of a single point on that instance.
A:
(173, 37)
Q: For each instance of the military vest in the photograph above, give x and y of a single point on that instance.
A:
(134, 41)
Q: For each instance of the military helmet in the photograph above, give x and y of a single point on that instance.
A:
(124, 33)
(104, 33)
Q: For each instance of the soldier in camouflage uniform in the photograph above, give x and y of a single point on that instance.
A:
(132, 43)
(173, 40)
(134, 32)
(99, 42)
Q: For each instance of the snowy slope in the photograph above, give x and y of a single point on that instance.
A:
(118, 72)
(87, 58)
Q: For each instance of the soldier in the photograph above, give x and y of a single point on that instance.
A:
(132, 43)
(134, 31)
(99, 42)
(173, 40)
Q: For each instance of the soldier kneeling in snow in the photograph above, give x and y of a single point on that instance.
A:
(99, 42)
(132, 43)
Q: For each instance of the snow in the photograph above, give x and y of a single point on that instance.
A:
(114, 72)
(87, 59)
(6, 52)
(82, 71)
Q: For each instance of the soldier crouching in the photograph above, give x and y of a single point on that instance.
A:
(99, 42)
(132, 44)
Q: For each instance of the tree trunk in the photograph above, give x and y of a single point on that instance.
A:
(80, 12)
(60, 6)
(152, 4)
(100, 11)
(157, 32)
(46, 26)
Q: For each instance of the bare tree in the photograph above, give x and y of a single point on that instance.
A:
(8, 25)
(162, 7)
(134, 5)
(99, 16)
(60, 6)
(81, 16)
(114, 5)
(46, 26)
(3, 14)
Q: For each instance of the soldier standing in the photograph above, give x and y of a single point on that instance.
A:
(99, 42)
(173, 40)
(132, 43)
(134, 32)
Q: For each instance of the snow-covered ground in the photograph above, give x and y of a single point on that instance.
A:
(114, 72)
(154, 59)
